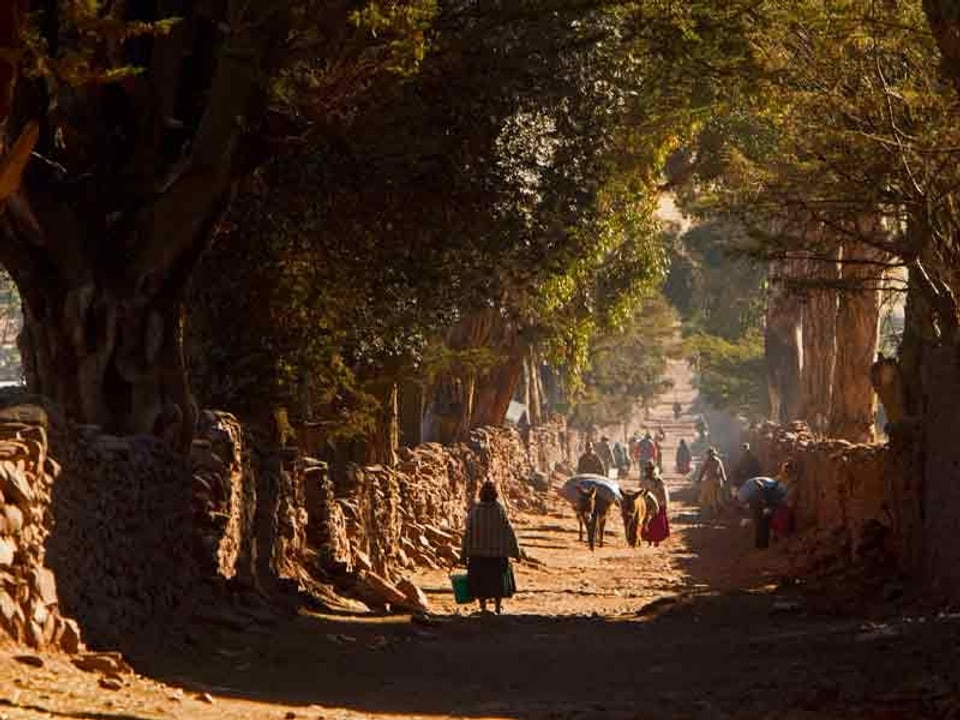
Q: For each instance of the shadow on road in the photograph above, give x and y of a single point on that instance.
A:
(730, 644)
(734, 653)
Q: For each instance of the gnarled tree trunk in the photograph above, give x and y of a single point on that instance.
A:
(120, 200)
(383, 443)
(460, 399)
(112, 360)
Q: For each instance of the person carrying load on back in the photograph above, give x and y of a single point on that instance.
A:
(764, 496)
(590, 462)
(712, 479)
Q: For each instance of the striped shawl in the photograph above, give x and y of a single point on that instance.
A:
(489, 533)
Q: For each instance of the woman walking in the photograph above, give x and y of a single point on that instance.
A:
(658, 529)
(488, 544)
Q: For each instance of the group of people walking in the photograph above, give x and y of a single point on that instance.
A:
(489, 540)
(768, 499)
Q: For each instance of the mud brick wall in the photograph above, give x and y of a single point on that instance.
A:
(29, 603)
(842, 491)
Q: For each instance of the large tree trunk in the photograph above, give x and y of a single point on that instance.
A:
(383, 443)
(858, 320)
(111, 360)
(923, 442)
(460, 399)
(120, 201)
(819, 341)
(782, 343)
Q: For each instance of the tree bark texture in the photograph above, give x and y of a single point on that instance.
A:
(113, 213)
(461, 398)
(782, 342)
(411, 413)
(819, 325)
(924, 442)
(383, 443)
(113, 361)
(858, 322)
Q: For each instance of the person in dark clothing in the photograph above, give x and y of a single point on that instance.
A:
(747, 467)
(590, 462)
(488, 544)
(763, 496)
(605, 452)
(684, 457)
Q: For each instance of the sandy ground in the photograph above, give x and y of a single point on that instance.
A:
(702, 627)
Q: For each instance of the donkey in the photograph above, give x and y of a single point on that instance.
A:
(638, 509)
(598, 521)
(586, 501)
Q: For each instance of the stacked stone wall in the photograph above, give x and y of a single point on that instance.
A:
(380, 522)
(842, 494)
(30, 610)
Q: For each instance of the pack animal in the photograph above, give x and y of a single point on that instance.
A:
(638, 509)
(586, 500)
(592, 511)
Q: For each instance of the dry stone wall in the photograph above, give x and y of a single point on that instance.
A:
(122, 541)
(125, 536)
(29, 603)
(843, 493)
(377, 524)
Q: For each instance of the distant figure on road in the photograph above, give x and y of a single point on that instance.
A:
(489, 542)
(684, 457)
(677, 409)
(712, 478)
(646, 450)
(658, 529)
(747, 467)
(702, 427)
(590, 462)
(621, 459)
(606, 453)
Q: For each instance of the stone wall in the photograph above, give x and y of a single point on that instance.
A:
(30, 609)
(129, 536)
(842, 493)
(122, 542)
(379, 523)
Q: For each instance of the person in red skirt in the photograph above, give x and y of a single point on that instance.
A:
(658, 529)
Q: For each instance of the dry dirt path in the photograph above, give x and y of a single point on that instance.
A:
(701, 627)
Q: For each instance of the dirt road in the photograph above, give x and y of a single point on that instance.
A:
(702, 627)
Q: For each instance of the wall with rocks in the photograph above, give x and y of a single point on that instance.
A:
(372, 527)
(125, 536)
(843, 494)
(30, 609)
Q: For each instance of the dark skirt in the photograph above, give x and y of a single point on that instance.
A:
(485, 576)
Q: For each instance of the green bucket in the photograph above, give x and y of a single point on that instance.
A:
(461, 588)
